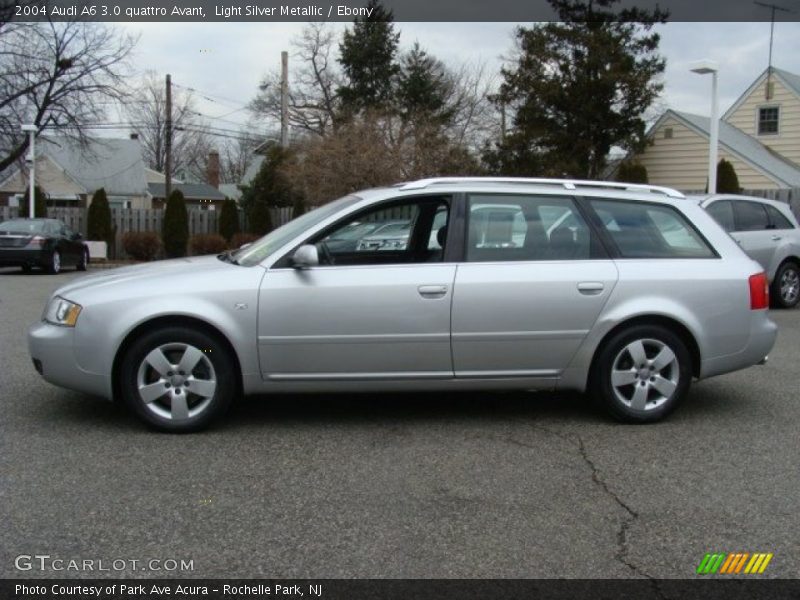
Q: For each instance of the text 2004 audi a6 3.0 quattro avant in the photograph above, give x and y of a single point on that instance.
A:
(627, 291)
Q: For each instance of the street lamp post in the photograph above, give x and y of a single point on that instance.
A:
(704, 67)
(31, 160)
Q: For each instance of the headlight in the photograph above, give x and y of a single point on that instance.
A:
(62, 312)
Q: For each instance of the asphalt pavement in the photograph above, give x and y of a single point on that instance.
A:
(479, 485)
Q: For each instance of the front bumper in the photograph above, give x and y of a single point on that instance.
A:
(53, 352)
(21, 257)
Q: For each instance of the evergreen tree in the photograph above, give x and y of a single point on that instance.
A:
(229, 220)
(368, 59)
(632, 172)
(299, 207)
(39, 204)
(422, 87)
(271, 187)
(581, 86)
(727, 180)
(175, 232)
(98, 219)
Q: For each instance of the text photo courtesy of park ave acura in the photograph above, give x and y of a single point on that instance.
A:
(383, 299)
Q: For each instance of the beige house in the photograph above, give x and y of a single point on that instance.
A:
(759, 134)
(70, 173)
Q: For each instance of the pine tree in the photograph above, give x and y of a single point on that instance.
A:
(175, 232)
(39, 204)
(422, 87)
(98, 219)
(580, 86)
(271, 187)
(727, 180)
(229, 220)
(367, 56)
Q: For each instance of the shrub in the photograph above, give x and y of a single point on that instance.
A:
(240, 239)
(39, 205)
(175, 232)
(207, 243)
(98, 219)
(299, 207)
(229, 219)
(727, 180)
(632, 172)
(260, 219)
(141, 245)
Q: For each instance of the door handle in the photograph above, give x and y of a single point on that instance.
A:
(776, 238)
(432, 291)
(590, 288)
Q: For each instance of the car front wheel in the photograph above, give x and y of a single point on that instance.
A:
(55, 263)
(84, 260)
(642, 373)
(178, 379)
(786, 286)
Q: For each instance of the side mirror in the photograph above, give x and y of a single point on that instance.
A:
(305, 256)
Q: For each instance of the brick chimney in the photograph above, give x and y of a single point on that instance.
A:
(212, 169)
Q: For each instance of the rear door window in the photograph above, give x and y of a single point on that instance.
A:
(750, 216)
(646, 230)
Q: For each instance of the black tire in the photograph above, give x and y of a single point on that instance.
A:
(620, 400)
(160, 413)
(84, 261)
(54, 266)
(785, 289)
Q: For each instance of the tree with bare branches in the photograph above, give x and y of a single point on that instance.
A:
(314, 79)
(59, 76)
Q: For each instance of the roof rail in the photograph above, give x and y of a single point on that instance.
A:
(570, 184)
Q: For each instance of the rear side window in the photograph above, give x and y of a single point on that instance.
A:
(644, 230)
(750, 216)
(722, 213)
(526, 228)
(777, 219)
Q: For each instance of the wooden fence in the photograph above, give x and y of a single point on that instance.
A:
(136, 219)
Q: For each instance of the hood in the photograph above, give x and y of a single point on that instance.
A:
(153, 273)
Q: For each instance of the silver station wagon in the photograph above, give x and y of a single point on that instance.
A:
(628, 292)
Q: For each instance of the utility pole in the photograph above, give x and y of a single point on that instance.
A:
(773, 8)
(168, 142)
(284, 99)
(31, 160)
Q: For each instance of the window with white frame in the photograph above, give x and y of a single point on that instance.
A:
(768, 117)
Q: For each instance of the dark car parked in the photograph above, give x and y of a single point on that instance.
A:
(45, 243)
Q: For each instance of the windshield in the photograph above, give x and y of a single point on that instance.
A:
(22, 226)
(274, 240)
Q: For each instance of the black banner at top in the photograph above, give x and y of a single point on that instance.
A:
(403, 10)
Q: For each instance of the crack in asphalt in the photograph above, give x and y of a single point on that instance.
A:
(630, 514)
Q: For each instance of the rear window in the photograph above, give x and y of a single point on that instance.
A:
(645, 230)
(22, 226)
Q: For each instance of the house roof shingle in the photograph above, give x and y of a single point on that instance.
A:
(190, 191)
(113, 164)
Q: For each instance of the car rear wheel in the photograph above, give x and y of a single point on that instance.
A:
(642, 373)
(55, 263)
(178, 379)
(84, 261)
(785, 290)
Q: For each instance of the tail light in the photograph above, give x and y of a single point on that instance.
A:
(759, 291)
(37, 241)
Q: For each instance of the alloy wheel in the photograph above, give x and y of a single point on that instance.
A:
(790, 286)
(176, 381)
(645, 374)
